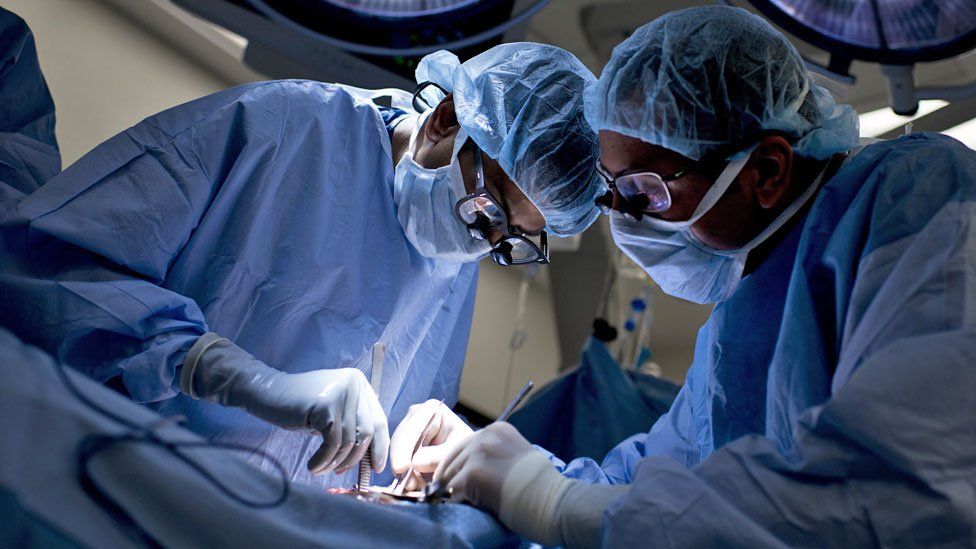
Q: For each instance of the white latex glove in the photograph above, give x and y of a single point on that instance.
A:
(338, 404)
(475, 470)
(446, 431)
(499, 471)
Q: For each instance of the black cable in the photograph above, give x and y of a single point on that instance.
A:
(92, 445)
(85, 451)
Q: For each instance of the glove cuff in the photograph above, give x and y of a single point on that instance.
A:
(193, 356)
(531, 494)
(580, 512)
(217, 370)
(544, 506)
(203, 343)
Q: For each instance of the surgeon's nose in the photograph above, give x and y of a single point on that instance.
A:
(495, 236)
(618, 202)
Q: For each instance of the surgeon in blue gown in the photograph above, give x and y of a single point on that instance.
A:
(832, 397)
(233, 260)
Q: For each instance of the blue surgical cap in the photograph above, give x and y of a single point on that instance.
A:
(704, 80)
(522, 104)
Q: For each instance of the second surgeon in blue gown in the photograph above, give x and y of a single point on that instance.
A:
(831, 398)
(275, 220)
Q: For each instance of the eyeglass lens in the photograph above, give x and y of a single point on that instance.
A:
(649, 186)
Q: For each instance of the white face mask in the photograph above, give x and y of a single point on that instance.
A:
(678, 261)
(425, 200)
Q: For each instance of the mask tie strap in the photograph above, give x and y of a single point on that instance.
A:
(714, 194)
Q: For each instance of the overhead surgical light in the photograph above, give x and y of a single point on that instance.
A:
(896, 34)
(400, 8)
(366, 43)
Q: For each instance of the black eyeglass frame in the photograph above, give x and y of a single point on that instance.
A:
(417, 97)
(631, 206)
(501, 251)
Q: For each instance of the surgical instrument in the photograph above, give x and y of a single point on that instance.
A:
(375, 379)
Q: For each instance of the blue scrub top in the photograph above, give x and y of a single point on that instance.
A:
(392, 117)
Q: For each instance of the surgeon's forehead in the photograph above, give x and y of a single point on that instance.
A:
(620, 153)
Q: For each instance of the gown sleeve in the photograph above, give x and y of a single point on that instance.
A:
(84, 259)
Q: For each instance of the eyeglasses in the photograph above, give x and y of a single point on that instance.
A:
(417, 95)
(481, 212)
(643, 192)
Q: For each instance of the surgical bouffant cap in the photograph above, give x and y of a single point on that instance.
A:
(523, 105)
(704, 80)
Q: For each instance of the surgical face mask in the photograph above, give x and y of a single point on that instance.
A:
(425, 201)
(681, 264)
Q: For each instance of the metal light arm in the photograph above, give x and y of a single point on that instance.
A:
(905, 96)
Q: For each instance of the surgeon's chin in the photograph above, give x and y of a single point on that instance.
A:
(716, 241)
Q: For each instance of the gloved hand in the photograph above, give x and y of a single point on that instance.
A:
(446, 431)
(338, 404)
(499, 471)
(475, 470)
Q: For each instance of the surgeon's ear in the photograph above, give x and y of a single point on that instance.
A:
(442, 123)
(774, 167)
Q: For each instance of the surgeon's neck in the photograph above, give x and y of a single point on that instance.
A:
(401, 137)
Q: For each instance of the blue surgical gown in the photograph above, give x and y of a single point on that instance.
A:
(832, 399)
(568, 416)
(264, 213)
(28, 149)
